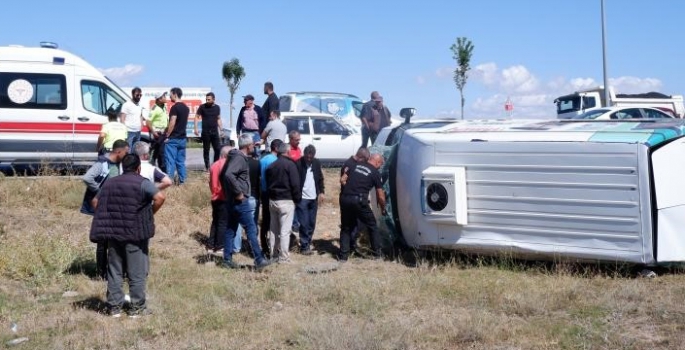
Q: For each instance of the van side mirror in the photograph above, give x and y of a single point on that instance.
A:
(407, 113)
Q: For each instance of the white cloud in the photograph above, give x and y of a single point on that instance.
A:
(518, 79)
(485, 73)
(122, 75)
(631, 85)
(531, 97)
(444, 72)
(580, 84)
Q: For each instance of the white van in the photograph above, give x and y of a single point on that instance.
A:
(52, 106)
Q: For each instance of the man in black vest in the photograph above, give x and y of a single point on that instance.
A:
(124, 218)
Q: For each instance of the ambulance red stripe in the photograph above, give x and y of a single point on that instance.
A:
(36, 127)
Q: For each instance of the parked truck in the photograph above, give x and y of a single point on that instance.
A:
(582, 101)
(572, 189)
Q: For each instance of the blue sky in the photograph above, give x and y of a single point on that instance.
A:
(529, 50)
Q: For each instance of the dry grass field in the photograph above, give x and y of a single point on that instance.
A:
(450, 302)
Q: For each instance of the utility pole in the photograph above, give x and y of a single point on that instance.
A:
(604, 59)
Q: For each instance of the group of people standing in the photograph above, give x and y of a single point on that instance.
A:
(289, 184)
(124, 187)
(167, 128)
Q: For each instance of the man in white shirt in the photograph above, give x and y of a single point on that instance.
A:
(134, 117)
(149, 171)
(275, 129)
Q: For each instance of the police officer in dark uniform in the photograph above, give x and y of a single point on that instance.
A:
(354, 204)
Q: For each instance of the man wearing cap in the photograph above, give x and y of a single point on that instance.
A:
(210, 114)
(251, 119)
(157, 124)
(134, 116)
(375, 116)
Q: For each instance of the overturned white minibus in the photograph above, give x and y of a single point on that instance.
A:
(587, 190)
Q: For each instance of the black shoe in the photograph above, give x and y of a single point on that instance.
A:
(356, 252)
(261, 265)
(136, 313)
(342, 259)
(306, 251)
(114, 312)
(229, 265)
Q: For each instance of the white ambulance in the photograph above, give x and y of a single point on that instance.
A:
(52, 106)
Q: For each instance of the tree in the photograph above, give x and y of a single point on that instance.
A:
(462, 51)
(233, 73)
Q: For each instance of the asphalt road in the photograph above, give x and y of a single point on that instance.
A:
(194, 162)
(194, 159)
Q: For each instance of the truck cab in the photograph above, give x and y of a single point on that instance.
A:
(579, 102)
(569, 106)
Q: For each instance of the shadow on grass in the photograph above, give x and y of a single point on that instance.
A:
(92, 303)
(208, 258)
(324, 246)
(83, 265)
(200, 237)
(509, 262)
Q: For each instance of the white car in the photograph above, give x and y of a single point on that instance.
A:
(346, 107)
(618, 113)
(334, 141)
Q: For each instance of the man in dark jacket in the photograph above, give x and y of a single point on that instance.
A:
(312, 188)
(360, 157)
(106, 167)
(354, 204)
(272, 103)
(283, 183)
(124, 218)
(240, 203)
(251, 119)
(375, 116)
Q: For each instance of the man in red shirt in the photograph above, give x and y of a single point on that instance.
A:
(295, 152)
(215, 243)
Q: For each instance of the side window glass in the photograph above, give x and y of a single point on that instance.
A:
(633, 113)
(655, 114)
(91, 95)
(33, 91)
(588, 102)
(300, 125)
(357, 107)
(284, 103)
(309, 105)
(327, 127)
(99, 98)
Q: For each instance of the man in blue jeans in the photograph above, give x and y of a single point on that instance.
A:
(240, 203)
(134, 116)
(175, 148)
(312, 188)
